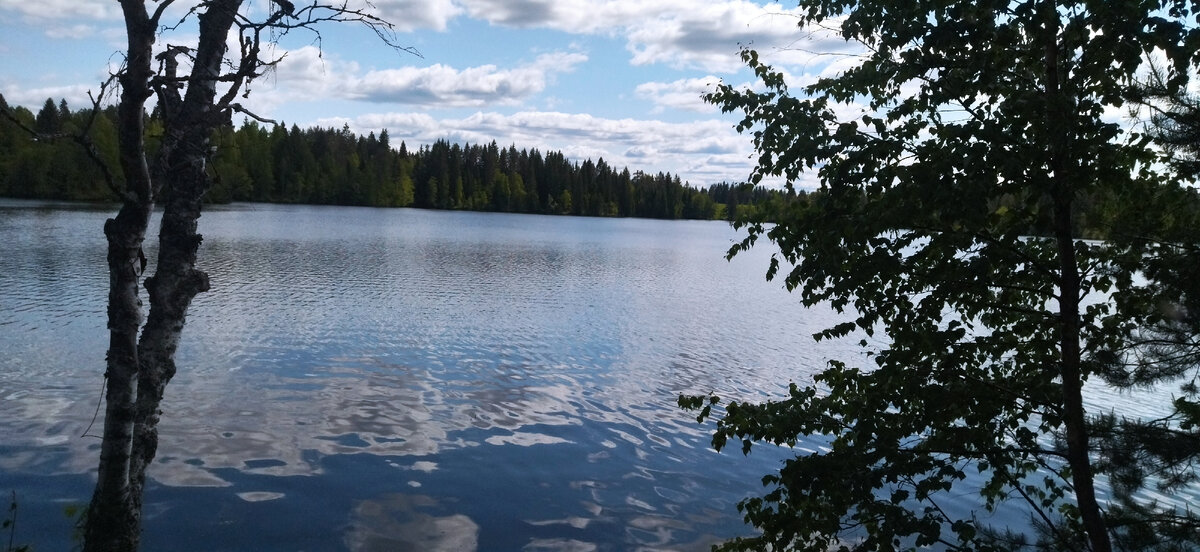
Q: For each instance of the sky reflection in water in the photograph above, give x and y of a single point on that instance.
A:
(401, 379)
(370, 379)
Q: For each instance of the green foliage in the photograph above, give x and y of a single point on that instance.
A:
(1177, 120)
(960, 162)
(334, 166)
(56, 167)
(77, 515)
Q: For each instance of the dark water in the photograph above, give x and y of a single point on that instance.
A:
(408, 380)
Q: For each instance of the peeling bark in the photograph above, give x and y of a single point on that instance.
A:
(176, 280)
(139, 368)
(112, 521)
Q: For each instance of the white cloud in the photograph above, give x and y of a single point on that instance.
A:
(707, 36)
(575, 16)
(682, 94)
(64, 9)
(302, 75)
(414, 124)
(680, 33)
(443, 86)
(410, 15)
(309, 69)
(700, 152)
(305, 73)
(75, 32)
(75, 94)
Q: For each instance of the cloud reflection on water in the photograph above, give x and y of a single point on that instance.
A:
(394, 523)
(537, 356)
(383, 411)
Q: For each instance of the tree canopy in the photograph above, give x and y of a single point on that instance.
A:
(959, 156)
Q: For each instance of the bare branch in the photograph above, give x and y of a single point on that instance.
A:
(238, 108)
(307, 18)
(158, 12)
(85, 141)
(194, 10)
(251, 65)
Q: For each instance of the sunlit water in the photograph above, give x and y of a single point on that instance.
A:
(370, 379)
(382, 379)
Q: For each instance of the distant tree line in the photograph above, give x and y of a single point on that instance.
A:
(57, 168)
(328, 166)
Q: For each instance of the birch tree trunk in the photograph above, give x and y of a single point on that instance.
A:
(176, 279)
(139, 369)
(113, 521)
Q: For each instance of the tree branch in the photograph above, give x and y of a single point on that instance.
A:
(158, 12)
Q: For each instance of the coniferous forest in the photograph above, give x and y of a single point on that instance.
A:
(329, 166)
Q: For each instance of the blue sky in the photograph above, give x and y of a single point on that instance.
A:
(618, 79)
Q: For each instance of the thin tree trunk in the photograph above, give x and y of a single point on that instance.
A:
(1078, 450)
(176, 280)
(1063, 191)
(112, 520)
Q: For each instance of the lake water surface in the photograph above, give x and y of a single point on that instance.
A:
(375, 379)
(371, 379)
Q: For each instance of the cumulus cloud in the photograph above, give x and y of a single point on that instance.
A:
(305, 74)
(410, 15)
(517, 13)
(443, 86)
(682, 94)
(309, 69)
(64, 9)
(707, 36)
(680, 33)
(576, 16)
(75, 94)
(701, 152)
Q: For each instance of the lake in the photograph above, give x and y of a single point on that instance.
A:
(400, 379)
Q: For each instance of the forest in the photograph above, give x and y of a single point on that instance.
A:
(329, 166)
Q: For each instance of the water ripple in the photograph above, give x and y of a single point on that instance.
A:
(520, 371)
